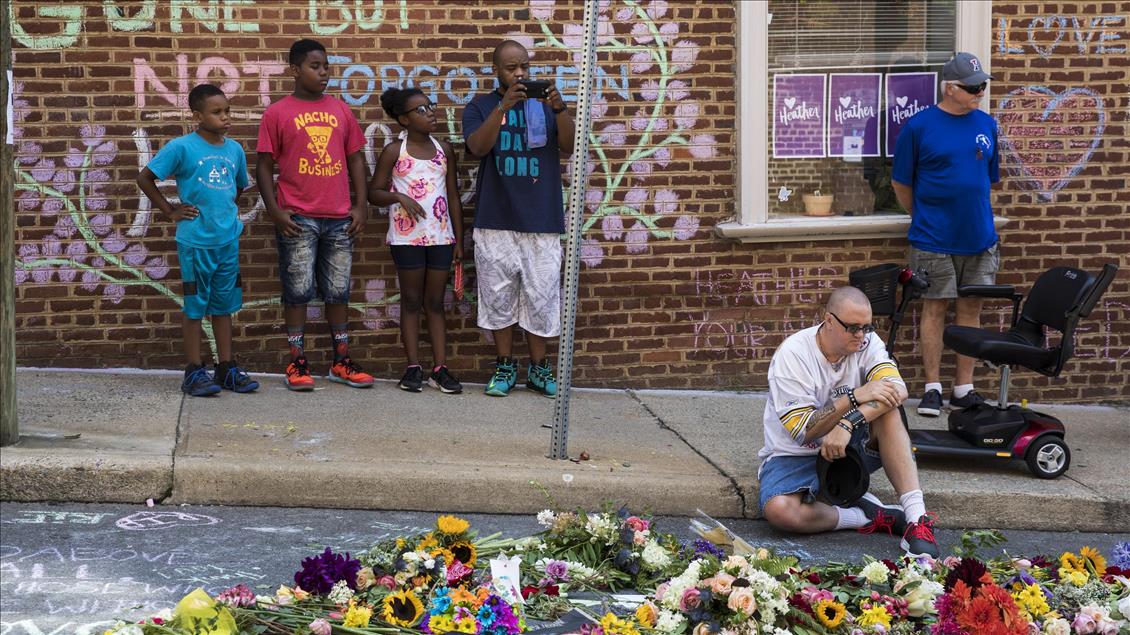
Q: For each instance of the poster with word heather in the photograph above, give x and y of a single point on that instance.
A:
(798, 116)
(853, 114)
(906, 95)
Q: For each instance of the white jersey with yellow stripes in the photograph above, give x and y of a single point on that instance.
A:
(801, 381)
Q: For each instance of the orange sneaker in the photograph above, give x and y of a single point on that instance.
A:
(298, 375)
(345, 371)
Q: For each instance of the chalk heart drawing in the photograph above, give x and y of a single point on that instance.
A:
(1049, 177)
(845, 101)
(790, 102)
(901, 101)
(146, 521)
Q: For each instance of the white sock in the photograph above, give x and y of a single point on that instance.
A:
(850, 518)
(962, 390)
(934, 386)
(913, 507)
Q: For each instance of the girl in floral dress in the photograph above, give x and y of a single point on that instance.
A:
(414, 175)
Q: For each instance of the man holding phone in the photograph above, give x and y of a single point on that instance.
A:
(519, 132)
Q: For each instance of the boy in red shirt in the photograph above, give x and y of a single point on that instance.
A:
(316, 143)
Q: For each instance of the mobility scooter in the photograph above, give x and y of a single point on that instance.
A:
(1058, 299)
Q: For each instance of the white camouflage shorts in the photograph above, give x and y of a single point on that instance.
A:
(519, 280)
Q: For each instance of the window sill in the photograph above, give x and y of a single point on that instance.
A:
(822, 229)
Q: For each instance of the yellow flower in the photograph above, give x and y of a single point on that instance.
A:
(403, 609)
(646, 614)
(427, 542)
(451, 525)
(1095, 559)
(875, 615)
(357, 615)
(441, 624)
(466, 625)
(613, 625)
(1071, 562)
(1032, 601)
(1078, 578)
(830, 613)
(464, 552)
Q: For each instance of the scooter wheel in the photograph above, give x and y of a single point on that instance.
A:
(1048, 457)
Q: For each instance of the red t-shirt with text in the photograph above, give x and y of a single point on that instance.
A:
(310, 141)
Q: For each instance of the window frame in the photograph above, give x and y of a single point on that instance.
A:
(751, 221)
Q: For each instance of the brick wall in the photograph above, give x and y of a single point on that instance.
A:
(100, 85)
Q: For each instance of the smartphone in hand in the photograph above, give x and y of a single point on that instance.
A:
(535, 88)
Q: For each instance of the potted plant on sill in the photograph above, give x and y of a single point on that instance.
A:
(817, 204)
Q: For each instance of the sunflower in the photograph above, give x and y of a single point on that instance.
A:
(1095, 559)
(829, 613)
(427, 542)
(1071, 562)
(403, 608)
(451, 525)
(464, 552)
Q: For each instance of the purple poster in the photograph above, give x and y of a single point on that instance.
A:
(798, 116)
(853, 114)
(907, 94)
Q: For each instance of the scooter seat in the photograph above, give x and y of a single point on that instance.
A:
(1008, 347)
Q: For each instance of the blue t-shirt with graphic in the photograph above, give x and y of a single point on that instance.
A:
(951, 162)
(519, 188)
(208, 178)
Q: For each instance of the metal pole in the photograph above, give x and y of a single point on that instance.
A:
(559, 448)
(9, 430)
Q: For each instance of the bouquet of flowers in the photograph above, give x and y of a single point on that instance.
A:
(602, 550)
(481, 611)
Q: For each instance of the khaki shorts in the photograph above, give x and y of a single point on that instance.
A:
(519, 280)
(947, 272)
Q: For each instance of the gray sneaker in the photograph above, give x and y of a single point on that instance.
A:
(931, 404)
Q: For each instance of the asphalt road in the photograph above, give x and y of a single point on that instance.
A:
(75, 568)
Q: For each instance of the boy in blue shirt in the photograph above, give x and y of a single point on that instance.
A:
(211, 172)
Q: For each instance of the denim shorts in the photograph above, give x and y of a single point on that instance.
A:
(947, 272)
(317, 262)
(781, 475)
(210, 279)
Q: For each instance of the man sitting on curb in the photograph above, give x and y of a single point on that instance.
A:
(832, 385)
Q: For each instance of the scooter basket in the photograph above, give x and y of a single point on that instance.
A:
(880, 283)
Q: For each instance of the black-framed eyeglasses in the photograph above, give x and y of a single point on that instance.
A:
(973, 90)
(854, 329)
(422, 109)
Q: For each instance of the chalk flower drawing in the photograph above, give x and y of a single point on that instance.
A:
(618, 197)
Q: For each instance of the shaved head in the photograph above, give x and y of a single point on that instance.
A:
(502, 46)
(845, 296)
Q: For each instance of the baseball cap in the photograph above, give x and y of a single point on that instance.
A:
(966, 69)
(842, 481)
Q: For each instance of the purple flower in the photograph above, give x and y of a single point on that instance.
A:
(1120, 555)
(704, 547)
(557, 569)
(319, 573)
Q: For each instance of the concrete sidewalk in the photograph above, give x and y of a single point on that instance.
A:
(130, 436)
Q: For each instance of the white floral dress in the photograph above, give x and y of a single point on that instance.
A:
(426, 182)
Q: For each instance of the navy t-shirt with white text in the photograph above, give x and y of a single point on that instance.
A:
(519, 188)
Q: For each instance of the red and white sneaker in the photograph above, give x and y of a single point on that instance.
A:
(298, 375)
(918, 539)
(345, 371)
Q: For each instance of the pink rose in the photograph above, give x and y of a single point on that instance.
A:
(660, 591)
(720, 583)
(639, 538)
(402, 167)
(741, 600)
(813, 595)
(320, 627)
(637, 523)
(689, 601)
(387, 581)
(1084, 624)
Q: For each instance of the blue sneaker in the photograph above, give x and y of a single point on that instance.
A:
(233, 378)
(504, 378)
(198, 382)
(540, 379)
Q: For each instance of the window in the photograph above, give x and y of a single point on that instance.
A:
(845, 56)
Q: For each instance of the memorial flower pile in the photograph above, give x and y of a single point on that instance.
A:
(440, 582)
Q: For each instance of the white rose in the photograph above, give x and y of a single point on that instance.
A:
(1057, 626)
(875, 573)
(1124, 607)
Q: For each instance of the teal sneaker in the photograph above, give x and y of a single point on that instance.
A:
(541, 379)
(504, 378)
